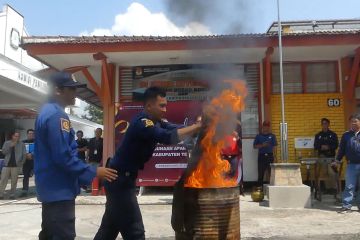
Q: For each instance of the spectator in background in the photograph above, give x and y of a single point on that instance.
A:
(350, 147)
(81, 145)
(326, 143)
(96, 148)
(28, 166)
(266, 143)
(15, 154)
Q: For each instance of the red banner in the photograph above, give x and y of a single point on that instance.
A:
(168, 162)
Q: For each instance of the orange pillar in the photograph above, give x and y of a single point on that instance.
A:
(349, 73)
(108, 110)
(353, 74)
(108, 100)
(267, 83)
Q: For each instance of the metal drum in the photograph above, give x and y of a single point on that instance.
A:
(211, 213)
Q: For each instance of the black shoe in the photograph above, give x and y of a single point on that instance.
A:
(344, 210)
(242, 191)
(12, 197)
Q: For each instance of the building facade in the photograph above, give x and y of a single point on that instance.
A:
(23, 87)
(321, 74)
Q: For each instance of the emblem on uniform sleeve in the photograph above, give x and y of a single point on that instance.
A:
(65, 124)
(148, 122)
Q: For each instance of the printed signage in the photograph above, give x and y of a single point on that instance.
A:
(304, 143)
(167, 162)
(32, 81)
(25, 79)
(333, 102)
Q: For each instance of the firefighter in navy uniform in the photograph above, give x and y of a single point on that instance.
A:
(122, 212)
(58, 171)
(266, 143)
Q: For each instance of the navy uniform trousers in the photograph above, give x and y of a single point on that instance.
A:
(122, 212)
(264, 160)
(58, 221)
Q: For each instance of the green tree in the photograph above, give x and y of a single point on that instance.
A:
(93, 114)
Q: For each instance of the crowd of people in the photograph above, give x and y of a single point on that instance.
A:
(19, 159)
(326, 145)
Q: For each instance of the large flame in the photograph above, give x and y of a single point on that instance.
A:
(220, 113)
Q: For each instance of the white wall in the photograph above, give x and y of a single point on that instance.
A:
(2, 31)
(89, 132)
(84, 125)
(23, 125)
(10, 20)
(249, 160)
(14, 22)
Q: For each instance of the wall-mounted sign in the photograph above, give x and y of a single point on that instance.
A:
(333, 102)
(24, 78)
(32, 81)
(14, 39)
(304, 142)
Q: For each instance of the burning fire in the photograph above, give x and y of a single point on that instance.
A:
(219, 116)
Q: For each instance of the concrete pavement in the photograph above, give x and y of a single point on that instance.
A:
(21, 219)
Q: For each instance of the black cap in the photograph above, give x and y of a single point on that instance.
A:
(64, 79)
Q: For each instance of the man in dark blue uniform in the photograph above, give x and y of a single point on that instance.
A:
(122, 213)
(326, 143)
(265, 142)
(58, 170)
(28, 166)
(350, 148)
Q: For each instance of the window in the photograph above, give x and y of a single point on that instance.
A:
(305, 77)
(320, 77)
(292, 78)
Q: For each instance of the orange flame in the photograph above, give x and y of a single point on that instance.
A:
(211, 169)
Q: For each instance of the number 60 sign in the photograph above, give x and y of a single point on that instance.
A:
(333, 102)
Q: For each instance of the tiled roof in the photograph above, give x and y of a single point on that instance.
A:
(125, 39)
(117, 39)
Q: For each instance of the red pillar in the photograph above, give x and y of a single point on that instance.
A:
(267, 83)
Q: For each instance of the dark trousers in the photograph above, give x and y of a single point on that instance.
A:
(27, 168)
(264, 160)
(122, 212)
(58, 221)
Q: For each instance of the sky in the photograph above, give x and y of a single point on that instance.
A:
(171, 17)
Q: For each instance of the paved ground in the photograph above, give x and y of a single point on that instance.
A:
(20, 219)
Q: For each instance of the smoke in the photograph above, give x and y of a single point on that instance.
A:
(222, 17)
(226, 17)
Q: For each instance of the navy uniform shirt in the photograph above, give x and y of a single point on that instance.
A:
(95, 147)
(262, 138)
(326, 138)
(58, 170)
(350, 147)
(81, 144)
(140, 142)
